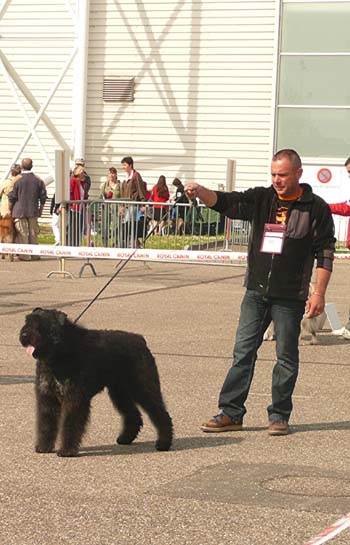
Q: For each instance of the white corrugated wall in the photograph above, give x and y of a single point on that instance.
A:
(37, 39)
(204, 73)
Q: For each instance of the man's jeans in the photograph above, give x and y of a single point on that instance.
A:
(256, 314)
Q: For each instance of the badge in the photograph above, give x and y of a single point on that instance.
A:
(273, 238)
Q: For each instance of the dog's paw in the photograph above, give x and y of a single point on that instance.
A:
(43, 449)
(67, 453)
(163, 445)
(125, 439)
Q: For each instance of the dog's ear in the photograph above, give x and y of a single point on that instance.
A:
(61, 317)
(37, 309)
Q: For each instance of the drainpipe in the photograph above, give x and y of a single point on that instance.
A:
(80, 77)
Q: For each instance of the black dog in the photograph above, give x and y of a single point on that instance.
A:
(74, 364)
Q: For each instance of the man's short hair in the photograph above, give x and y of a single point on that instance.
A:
(128, 160)
(291, 154)
(27, 164)
(347, 162)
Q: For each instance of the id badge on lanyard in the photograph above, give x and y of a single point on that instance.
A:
(273, 238)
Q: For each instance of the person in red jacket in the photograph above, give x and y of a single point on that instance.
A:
(343, 209)
(160, 194)
(77, 192)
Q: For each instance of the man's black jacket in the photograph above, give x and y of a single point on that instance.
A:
(309, 236)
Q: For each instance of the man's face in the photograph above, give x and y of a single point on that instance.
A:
(348, 169)
(127, 168)
(285, 177)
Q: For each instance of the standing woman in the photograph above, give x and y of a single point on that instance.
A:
(77, 192)
(110, 190)
(6, 187)
(160, 194)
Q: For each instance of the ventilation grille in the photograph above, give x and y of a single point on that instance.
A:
(118, 89)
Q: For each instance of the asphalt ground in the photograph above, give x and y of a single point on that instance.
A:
(237, 488)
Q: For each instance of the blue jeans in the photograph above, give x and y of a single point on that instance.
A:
(257, 312)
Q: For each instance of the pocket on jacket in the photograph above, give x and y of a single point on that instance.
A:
(298, 224)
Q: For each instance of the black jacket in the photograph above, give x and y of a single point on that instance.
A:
(309, 236)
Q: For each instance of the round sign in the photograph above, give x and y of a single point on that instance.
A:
(324, 175)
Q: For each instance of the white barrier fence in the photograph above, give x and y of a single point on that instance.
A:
(139, 254)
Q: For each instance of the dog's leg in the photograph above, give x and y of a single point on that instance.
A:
(75, 417)
(155, 408)
(48, 414)
(148, 395)
(132, 419)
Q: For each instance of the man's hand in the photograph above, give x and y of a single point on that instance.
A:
(315, 305)
(207, 196)
(191, 190)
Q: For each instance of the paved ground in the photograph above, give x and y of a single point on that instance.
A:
(240, 488)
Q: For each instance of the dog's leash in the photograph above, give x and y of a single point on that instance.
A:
(124, 263)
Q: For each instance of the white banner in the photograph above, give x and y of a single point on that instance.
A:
(83, 252)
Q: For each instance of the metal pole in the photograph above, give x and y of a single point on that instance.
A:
(230, 185)
(80, 75)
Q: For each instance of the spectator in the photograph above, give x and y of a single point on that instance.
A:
(133, 189)
(110, 190)
(142, 225)
(179, 212)
(87, 182)
(77, 193)
(26, 203)
(6, 187)
(80, 173)
(291, 228)
(159, 194)
(343, 209)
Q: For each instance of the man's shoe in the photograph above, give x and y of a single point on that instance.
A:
(221, 422)
(278, 428)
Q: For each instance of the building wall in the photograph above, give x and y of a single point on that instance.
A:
(36, 41)
(204, 88)
(204, 85)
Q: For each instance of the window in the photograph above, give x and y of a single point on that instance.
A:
(313, 102)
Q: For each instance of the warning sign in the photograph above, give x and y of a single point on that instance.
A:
(324, 175)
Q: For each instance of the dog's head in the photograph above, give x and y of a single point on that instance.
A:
(42, 331)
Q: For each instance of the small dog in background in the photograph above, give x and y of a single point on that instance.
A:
(309, 326)
(7, 233)
(74, 364)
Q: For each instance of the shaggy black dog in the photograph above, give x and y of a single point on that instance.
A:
(74, 364)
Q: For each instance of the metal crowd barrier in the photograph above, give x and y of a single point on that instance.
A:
(131, 224)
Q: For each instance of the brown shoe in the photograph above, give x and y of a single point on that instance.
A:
(220, 423)
(278, 428)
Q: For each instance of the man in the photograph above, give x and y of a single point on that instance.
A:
(87, 181)
(133, 188)
(343, 209)
(290, 227)
(26, 203)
